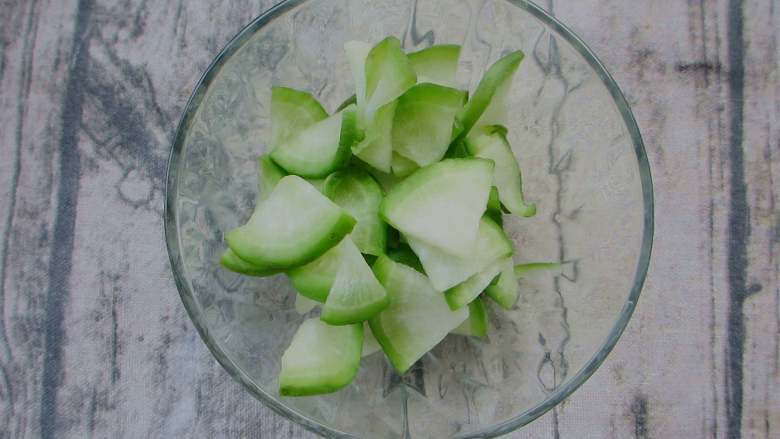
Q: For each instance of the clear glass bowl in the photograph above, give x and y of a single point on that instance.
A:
(584, 165)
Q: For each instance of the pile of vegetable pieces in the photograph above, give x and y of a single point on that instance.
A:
(387, 212)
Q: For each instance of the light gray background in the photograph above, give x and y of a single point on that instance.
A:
(94, 341)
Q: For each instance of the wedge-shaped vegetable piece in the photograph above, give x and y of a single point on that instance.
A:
(495, 81)
(356, 52)
(424, 121)
(491, 143)
(232, 262)
(360, 195)
(370, 345)
(436, 64)
(388, 75)
(446, 271)
(417, 318)
(464, 293)
(269, 175)
(292, 111)
(303, 304)
(314, 279)
(402, 166)
(441, 204)
(321, 358)
(504, 289)
(356, 294)
(321, 148)
(293, 226)
(376, 148)
(477, 323)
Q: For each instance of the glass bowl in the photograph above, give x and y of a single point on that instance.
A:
(584, 165)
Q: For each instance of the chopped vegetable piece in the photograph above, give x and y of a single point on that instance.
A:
(436, 64)
(370, 345)
(417, 318)
(477, 323)
(388, 75)
(232, 262)
(355, 295)
(292, 111)
(504, 289)
(293, 226)
(490, 143)
(490, 86)
(270, 174)
(376, 148)
(446, 271)
(321, 358)
(464, 293)
(321, 148)
(441, 204)
(314, 279)
(402, 166)
(360, 195)
(424, 121)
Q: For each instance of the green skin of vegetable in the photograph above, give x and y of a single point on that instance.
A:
(315, 381)
(281, 255)
(502, 70)
(292, 111)
(232, 262)
(360, 195)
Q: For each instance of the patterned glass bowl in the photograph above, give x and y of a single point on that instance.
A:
(584, 165)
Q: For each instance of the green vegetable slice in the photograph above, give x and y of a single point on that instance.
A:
(376, 149)
(292, 111)
(269, 175)
(356, 294)
(491, 143)
(293, 226)
(441, 204)
(436, 64)
(388, 74)
(321, 148)
(477, 323)
(495, 81)
(314, 279)
(424, 121)
(321, 358)
(360, 195)
(232, 262)
(417, 318)
(402, 166)
(446, 270)
(370, 345)
(505, 289)
(356, 52)
(464, 293)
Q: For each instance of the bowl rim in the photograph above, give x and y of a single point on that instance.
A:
(554, 398)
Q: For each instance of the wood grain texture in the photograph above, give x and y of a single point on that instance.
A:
(94, 341)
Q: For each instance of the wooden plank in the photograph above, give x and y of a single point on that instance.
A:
(760, 414)
(37, 42)
(131, 363)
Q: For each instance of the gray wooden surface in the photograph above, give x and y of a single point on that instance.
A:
(94, 341)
